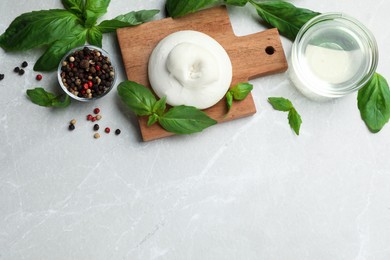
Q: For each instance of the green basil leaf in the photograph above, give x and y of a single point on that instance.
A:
(129, 19)
(176, 8)
(152, 119)
(53, 55)
(237, 2)
(95, 36)
(241, 91)
(229, 100)
(94, 9)
(280, 104)
(74, 6)
(137, 97)
(38, 28)
(160, 106)
(185, 120)
(43, 98)
(374, 103)
(295, 121)
(287, 18)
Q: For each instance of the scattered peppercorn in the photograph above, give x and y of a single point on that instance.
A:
(16, 69)
(1, 76)
(98, 117)
(89, 117)
(73, 121)
(21, 71)
(24, 64)
(107, 130)
(96, 136)
(38, 77)
(71, 127)
(117, 131)
(93, 119)
(96, 127)
(96, 110)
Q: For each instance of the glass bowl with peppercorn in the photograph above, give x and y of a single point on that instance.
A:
(86, 73)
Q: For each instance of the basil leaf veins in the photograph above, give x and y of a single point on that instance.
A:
(43, 98)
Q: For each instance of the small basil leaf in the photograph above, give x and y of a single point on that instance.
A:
(374, 103)
(236, 2)
(137, 97)
(129, 19)
(95, 36)
(43, 98)
(294, 119)
(185, 120)
(94, 9)
(53, 55)
(160, 106)
(280, 104)
(38, 28)
(287, 18)
(229, 100)
(176, 8)
(241, 91)
(152, 119)
(74, 6)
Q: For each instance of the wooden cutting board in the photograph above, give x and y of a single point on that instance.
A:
(252, 56)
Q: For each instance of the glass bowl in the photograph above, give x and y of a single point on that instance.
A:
(86, 73)
(332, 56)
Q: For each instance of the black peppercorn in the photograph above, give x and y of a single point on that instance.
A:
(21, 71)
(1, 76)
(71, 127)
(117, 131)
(16, 69)
(24, 64)
(96, 127)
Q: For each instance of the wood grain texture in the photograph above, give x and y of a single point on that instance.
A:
(252, 56)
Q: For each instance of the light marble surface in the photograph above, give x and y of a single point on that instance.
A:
(248, 189)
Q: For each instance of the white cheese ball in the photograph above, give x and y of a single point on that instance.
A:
(190, 68)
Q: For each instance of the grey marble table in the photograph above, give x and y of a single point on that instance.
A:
(247, 189)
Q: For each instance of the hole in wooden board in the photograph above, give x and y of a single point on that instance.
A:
(270, 50)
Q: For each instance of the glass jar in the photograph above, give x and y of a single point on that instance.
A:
(332, 56)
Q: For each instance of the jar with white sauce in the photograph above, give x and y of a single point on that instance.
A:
(332, 56)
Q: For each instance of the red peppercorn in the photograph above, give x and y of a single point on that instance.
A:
(96, 110)
(94, 119)
(90, 84)
(97, 67)
(89, 117)
(107, 130)
(38, 77)
(85, 86)
(71, 65)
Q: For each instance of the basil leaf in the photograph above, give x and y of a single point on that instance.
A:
(129, 19)
(229, 100)
(38, 28)
(294, 119)
(95, 36)
(185, 120)
(74, 6)
(53, 55)
(160, 106)
(176, 8)
(43, 98)
(241, 91)
(374, 103)
(152, 119)
(237, 2)
(287, 18)
(94, 9)
(137, 97)
(280, 104)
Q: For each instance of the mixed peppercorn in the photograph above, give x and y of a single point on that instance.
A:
(87, 73)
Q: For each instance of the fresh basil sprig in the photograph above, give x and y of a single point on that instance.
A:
(374, 103)
(285, 105)
(43, 98)
(238, 93)
(178, 120)
(61, 30)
